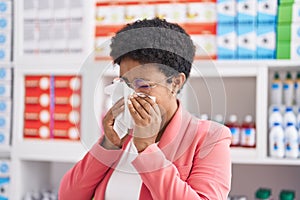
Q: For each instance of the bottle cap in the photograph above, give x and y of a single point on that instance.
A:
(287, 195)
(248, 118)
(204, 116)
(275, 109)
(276, 124)
(276, 75)
(298, 75)
(288, 109)
(233, 118)
(219, 118)
(288, 75)
(263, 193)
(290, 124)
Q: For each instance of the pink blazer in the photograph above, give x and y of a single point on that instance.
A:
(191, 161)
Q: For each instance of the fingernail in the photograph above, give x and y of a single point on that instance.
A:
(129, 102)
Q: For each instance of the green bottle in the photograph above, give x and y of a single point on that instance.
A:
(287, 195)
(263, 194)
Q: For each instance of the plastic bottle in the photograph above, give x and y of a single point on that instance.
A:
(248, 132)
(219, 118)
(297, 89)
(289, 117)
(235, 130)
(288, 90)
(276, 141)
(276, 90)
(263, 194)
(298, 119)
(287, 195)
(291, 141)
(275, 117)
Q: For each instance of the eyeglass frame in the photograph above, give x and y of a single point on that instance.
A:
(150, 83)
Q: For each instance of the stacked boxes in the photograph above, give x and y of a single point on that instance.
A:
(5, 105)
(198, 18)
(5, 30)
(226, 29)
(52, 107)
(288, 30)
(53, 27)
(246, 29)
(266, 29)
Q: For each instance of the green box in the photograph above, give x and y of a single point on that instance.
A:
(283, 50)
(285, 13)
(286, 2)
(284, 32)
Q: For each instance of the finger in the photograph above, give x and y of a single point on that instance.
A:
(117, 108)
(144, 103)
(132, 109)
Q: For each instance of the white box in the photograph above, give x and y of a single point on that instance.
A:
(201, 12)
(246, 41)
(5, 168)
(110, 15)
(295, 51)
(75, 8)
(30, 10)
(30, 38)
(60, 9)
(5, 185)
(296, 11)
(5, 122)
(175, 12)
(148, 11)
(226, 41)
(246, 11)
(267, 11)
(266, 41)
(5, 74)
(5, 7)
(295, 32)
(226, 12)
(44, 38)
(5, 89)
(5, 23)
(132, 13)
(5, 39)
(44, 10)
(205, 45)
(5, 106)
(59, 37)
(102, 46)
(5, 54)
(75, 39)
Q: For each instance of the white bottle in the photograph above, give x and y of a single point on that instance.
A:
(275, 117)
(276, 141)
(219, 118)
(291, 141)
(288, 90)
(289, 117)
(297, 89)
(298, 119)
(276, 90)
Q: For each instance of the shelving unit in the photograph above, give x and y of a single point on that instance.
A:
(245, 82)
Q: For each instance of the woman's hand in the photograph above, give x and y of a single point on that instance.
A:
(111, 139)
(147, 120)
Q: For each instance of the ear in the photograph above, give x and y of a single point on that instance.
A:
(179, 80)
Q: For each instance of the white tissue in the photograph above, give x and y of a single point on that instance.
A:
(124, 121)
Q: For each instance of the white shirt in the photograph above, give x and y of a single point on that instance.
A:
(125, 182)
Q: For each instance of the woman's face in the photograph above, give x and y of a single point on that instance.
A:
(134, 74)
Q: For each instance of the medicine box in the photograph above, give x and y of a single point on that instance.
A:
(246, 41)
(4, 137)
(5, 7)
(5, 39)
(283, 50)
(226, 41)
(4, 188)
(266, 41)
(204, 12)
(5, 106)
(206, 46)
(246, 11)
(4, 168)
(5, 74)
(175, 12)
(288, 13)
(226, 11)
(295, 50)
(284, 32)
(267, 11)
(295, 32)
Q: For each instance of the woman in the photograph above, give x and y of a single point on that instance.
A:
(168, 153)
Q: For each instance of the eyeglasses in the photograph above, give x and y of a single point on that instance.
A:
(140, 83)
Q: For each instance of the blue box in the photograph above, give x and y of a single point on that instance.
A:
(226, 41)
(226, 11)
(266, 41)
(246, 41)
(267, 11)
(246, 11)
(4, 185)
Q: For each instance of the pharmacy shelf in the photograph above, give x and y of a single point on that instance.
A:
(53, 151)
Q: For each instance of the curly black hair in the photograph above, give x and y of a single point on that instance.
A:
(154, 41)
